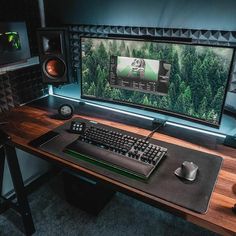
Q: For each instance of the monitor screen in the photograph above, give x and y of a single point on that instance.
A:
(184, 80)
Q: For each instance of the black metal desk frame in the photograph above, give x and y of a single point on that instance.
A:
(8, 152)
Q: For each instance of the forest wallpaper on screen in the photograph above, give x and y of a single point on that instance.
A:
(198, 77)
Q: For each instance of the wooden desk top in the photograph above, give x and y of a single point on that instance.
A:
(27, 123)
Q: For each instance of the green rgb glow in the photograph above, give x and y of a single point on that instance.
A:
(9, 41)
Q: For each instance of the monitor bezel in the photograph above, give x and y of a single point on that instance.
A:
(151, 108)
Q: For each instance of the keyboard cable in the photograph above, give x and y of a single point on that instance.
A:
(153, 131)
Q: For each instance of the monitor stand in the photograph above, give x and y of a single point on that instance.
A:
(158, 123)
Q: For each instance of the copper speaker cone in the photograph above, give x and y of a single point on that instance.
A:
(55, 67)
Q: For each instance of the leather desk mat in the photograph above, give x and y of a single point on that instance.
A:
(163, 183)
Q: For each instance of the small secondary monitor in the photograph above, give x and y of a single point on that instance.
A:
(14, 43)
(185, 80)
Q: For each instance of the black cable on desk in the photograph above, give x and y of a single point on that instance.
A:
(157, 128)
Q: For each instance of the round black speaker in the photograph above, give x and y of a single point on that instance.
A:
(65, 111)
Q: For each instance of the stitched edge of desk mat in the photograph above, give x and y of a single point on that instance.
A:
(162, 183)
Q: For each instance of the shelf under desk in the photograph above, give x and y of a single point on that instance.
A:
(30, 121)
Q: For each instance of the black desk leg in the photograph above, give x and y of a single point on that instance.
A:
(2, 163)
(17, 180)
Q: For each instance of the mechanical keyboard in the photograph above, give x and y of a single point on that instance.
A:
(117, 149)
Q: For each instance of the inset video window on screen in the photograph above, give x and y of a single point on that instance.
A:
(184, 80)
(138, 74)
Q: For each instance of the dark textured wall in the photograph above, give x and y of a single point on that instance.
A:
(21, 86)
(9, 10)
(201, 14)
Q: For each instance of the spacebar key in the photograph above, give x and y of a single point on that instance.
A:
(109, 158)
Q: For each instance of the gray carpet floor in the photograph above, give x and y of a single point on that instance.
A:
(123, 215)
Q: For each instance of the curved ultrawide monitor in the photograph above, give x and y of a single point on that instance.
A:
(184, 80)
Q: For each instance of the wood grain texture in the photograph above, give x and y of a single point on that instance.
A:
(27, 123)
